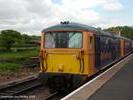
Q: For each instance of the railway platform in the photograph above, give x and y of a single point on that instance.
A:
(114, 84)
(119, 87)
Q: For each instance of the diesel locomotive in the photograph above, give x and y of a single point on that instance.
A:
(72, 52)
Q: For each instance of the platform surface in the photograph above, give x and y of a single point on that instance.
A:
(119, 87)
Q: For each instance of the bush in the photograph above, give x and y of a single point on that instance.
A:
(8, 38)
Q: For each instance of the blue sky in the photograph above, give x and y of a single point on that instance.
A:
(31, 16)
(125, 14)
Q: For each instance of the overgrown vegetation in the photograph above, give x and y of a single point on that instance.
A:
(15, 49)
(126, 31)
(12, 38)
(6, 67)
(18, 55)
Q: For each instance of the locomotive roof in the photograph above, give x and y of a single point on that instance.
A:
(126, 38)
(121, 37)
(70, 26)
(76, 26)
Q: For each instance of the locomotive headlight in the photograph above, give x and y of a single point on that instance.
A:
(61, 67)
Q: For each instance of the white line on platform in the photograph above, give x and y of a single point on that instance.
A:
(66, 97)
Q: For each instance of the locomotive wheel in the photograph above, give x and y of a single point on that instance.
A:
(43, 78)
(77, 80)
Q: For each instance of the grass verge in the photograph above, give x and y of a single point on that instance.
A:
(6, 67)
(11, 61)
(19, 54)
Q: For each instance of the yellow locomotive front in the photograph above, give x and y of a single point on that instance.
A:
(62, 52)
(64, 56)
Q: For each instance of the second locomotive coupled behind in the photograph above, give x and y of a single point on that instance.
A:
(71, 52)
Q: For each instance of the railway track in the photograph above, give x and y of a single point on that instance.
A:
(55, 96)
(25, 89)
(20, 87)
(51, 96)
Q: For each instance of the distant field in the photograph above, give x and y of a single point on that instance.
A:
(19, 54)
(12, 61)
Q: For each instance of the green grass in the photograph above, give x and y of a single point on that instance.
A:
(12, 61)
(19, 54)
(9, 67)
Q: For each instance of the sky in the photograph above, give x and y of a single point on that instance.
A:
(32, 16)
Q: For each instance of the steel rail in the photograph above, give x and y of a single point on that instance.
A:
(17, 88)
(49, 97)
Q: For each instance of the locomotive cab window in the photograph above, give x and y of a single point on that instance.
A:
(91, 42)
(63, 40)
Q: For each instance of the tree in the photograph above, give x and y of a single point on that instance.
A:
(126, 31)
(8, 38)
(25, 38)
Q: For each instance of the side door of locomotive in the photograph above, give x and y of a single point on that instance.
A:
(97, 52)
(91, 52)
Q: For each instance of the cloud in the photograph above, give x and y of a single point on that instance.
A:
(32, 16)
(76, 4)
(116, 6)
(75, 14)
